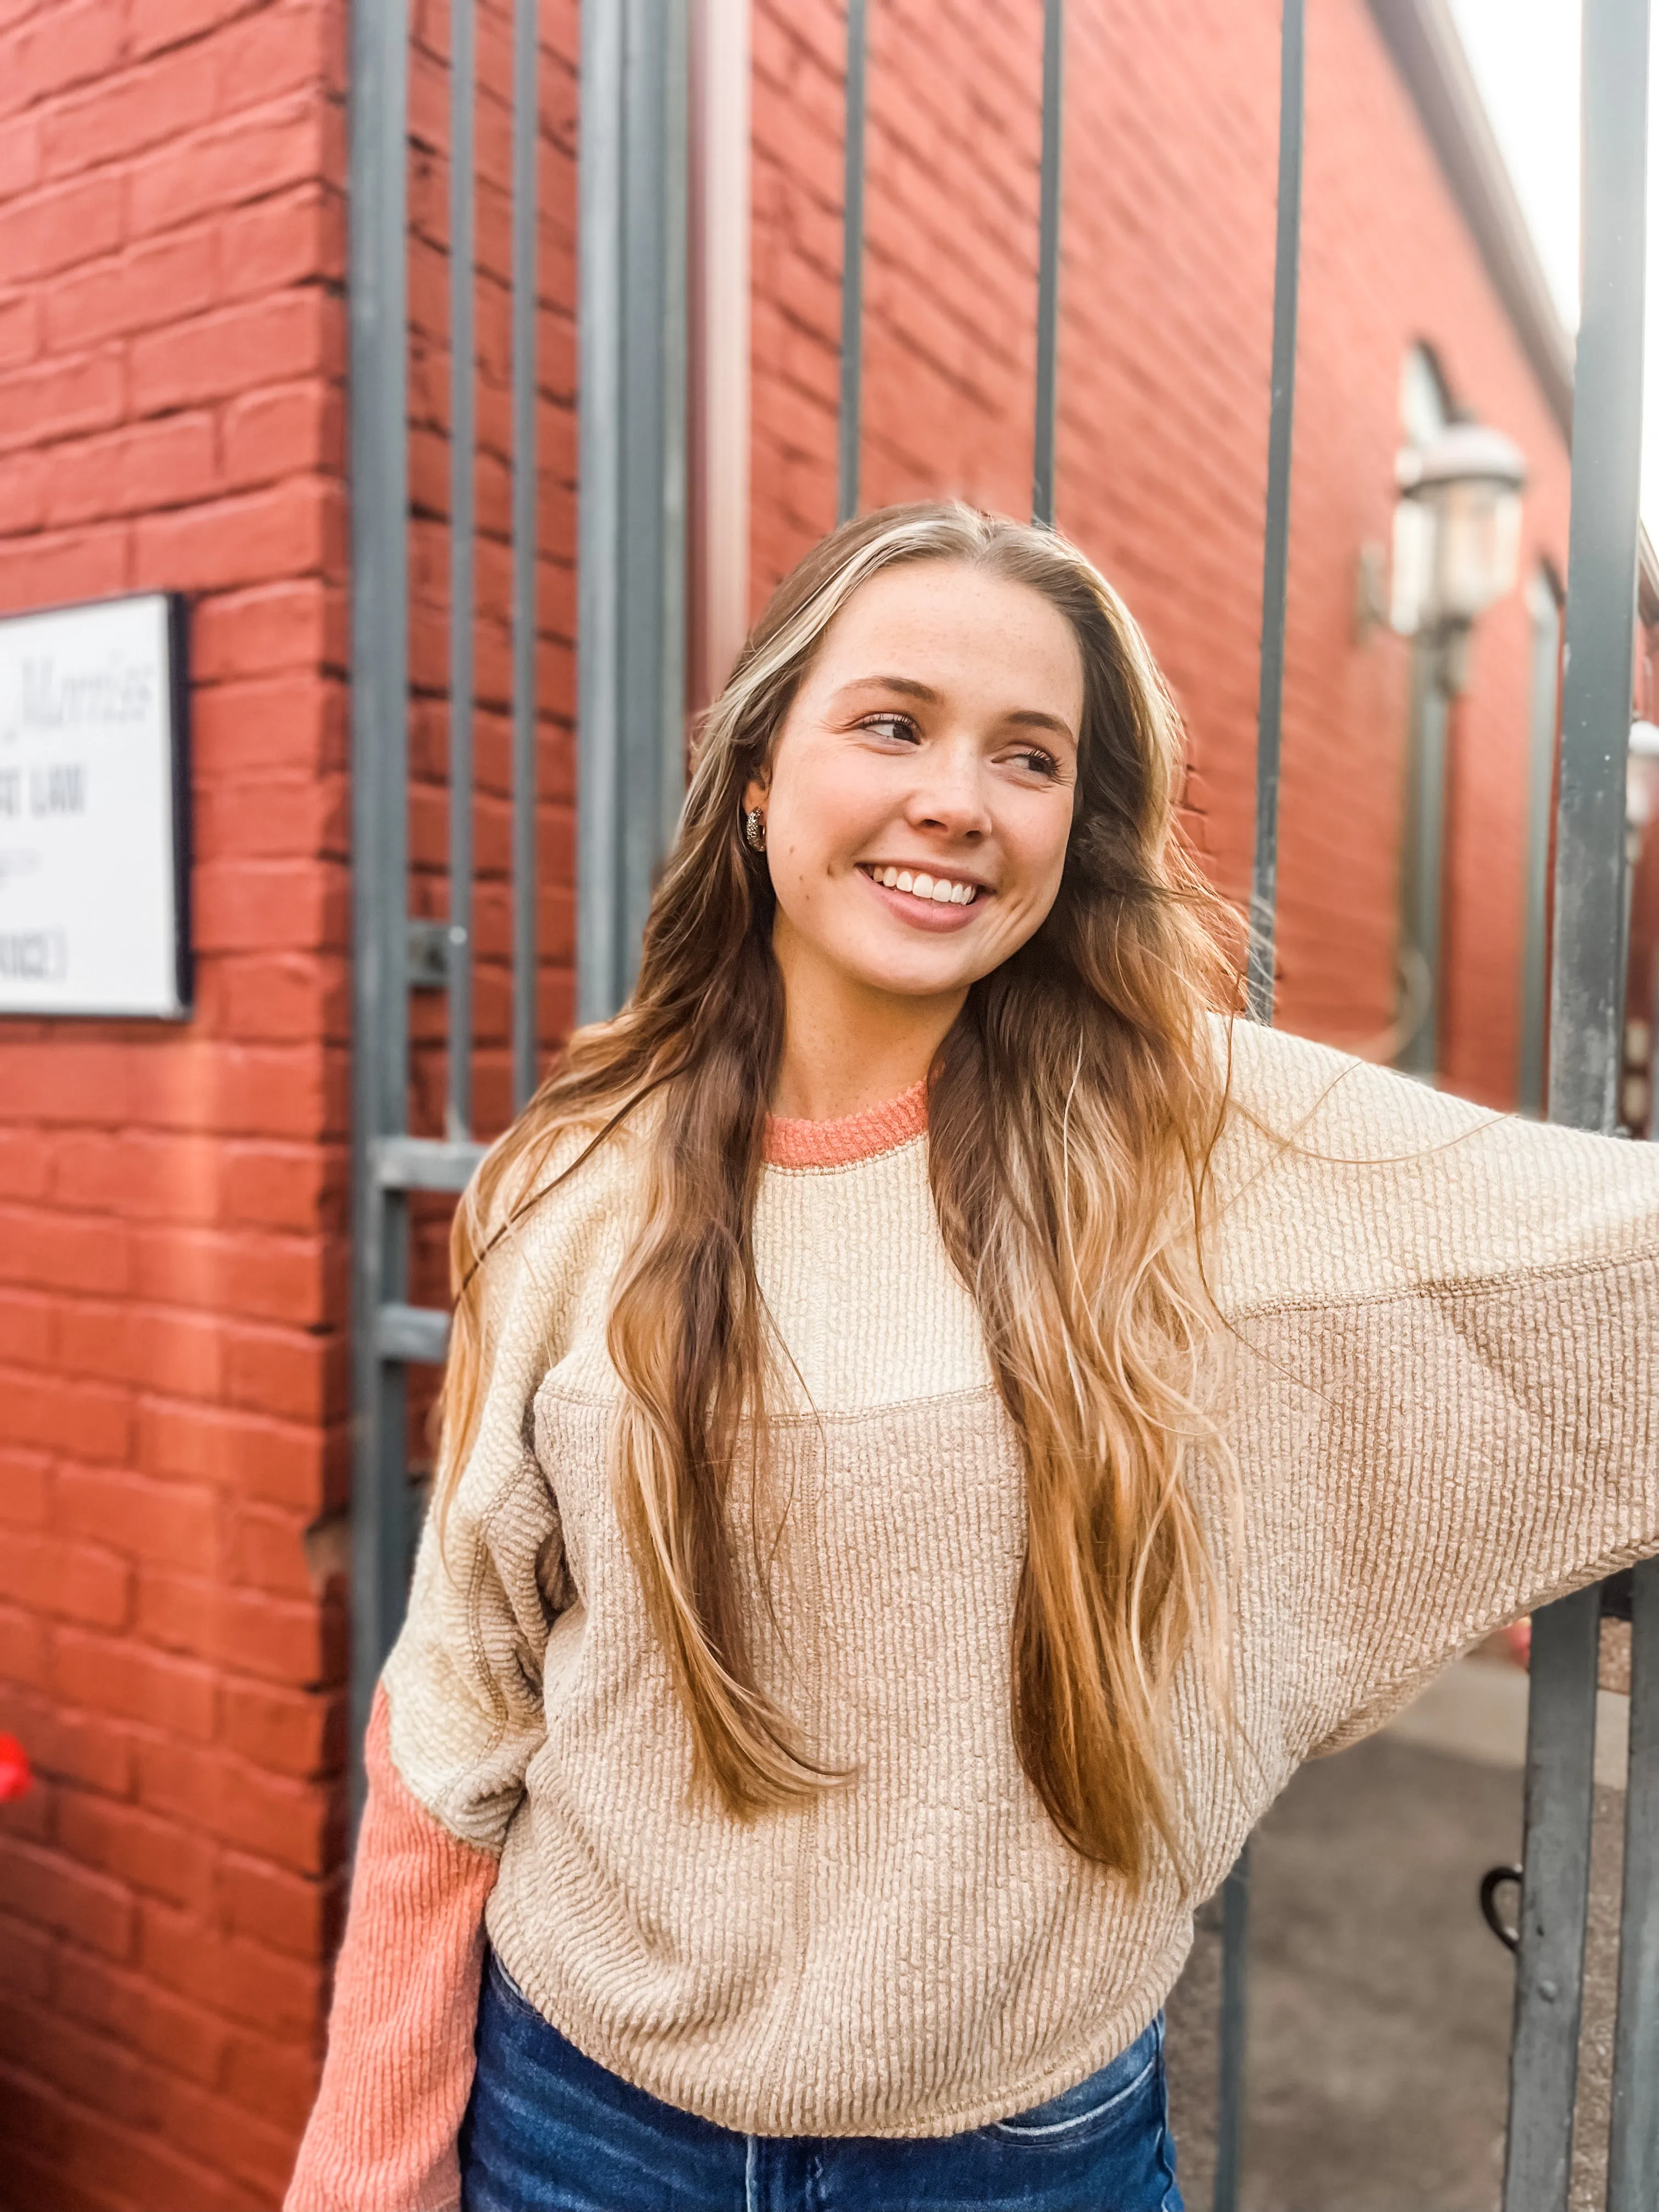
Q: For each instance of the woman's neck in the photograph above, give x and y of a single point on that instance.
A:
(847, 1048)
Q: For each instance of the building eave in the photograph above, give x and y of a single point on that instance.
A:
(1423, 39)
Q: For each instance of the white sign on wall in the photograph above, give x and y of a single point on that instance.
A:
(93, 811)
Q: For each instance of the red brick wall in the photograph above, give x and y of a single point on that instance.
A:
(1171, 120)
(172, 1254)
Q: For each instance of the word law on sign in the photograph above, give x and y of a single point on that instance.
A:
(93, 811)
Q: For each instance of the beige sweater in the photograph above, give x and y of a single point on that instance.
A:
(1440, 1387)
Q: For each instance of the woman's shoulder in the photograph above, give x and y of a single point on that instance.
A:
(1334, 1179)
(547, 1207)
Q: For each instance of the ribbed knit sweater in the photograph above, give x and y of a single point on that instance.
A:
(1439, 1381)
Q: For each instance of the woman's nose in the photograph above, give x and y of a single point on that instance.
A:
(948, 795)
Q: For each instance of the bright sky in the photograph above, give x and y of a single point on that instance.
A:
(1524, 54)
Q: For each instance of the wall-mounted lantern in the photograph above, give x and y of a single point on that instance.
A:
(1457, 537)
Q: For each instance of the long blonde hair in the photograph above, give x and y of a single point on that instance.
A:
(1072, 1111)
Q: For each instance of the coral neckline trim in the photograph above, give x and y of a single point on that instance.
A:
(790, 1144)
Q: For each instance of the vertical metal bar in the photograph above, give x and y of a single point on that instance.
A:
(1549, 1979)
(378, 309)
(1423, 874)
(1047, 317)
(717, 443)
(651, 578)
(1276, 544)
(1586, 1015)
(1586, 1022)
(1264, 899)
(599, 433)
(1546, 613)
(463, 89)
(527, 79)
(1235, 2020)
(1633, 2141)
(631, 319)
(849, 427)
(666, 326)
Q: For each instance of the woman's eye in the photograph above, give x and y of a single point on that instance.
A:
(1038, 762)
(896, 726)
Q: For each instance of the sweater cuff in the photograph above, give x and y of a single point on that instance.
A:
(382, 2134)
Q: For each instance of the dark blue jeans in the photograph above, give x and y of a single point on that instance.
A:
(548, 2131)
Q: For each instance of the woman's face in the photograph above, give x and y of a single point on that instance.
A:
(920, 790)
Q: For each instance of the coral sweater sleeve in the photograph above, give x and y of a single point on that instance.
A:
(382, 2135)
(458, 1716)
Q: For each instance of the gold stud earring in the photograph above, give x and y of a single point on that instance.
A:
(754, 830)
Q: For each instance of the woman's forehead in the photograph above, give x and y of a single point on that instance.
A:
(953, 629)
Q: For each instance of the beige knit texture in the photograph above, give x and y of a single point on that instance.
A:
(1438, 1379)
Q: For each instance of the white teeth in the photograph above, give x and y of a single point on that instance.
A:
(938, 891)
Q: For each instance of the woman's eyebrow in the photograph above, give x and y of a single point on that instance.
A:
(908, 687)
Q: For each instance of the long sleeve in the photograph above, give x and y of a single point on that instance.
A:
(381, 2136)
(1454, 1381)
(458, 1716)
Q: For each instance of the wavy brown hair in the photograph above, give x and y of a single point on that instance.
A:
(1072, 1111)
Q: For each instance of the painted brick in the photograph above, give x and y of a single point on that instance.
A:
(42, 1887)
(164, 1522)
(74, 43)
(88, 1748)
(26, 1332)
(131, 471)
(26, 1489)
(215, 356)
(242, 1980)
(90, 1422)
(277, 2080)
(42, 570)
(295, 238)
(59, 227)
(24, 1650)
(28, 1957)
(294, 528)
(154, 283)
(21, 321)
(277, 1640)
(268, 435)
(285, 1911)
(297, 626)
(177, 2035)
(129, 111)
(163, 1859)
(226, 167)
(117, 1676)
(283, 1731)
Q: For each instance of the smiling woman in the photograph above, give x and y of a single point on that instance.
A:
(938, 1424)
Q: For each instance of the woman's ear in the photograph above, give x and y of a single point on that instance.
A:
(754, 793)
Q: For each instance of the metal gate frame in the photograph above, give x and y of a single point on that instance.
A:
(632, 313)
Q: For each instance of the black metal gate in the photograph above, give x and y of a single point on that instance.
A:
(636, 60)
